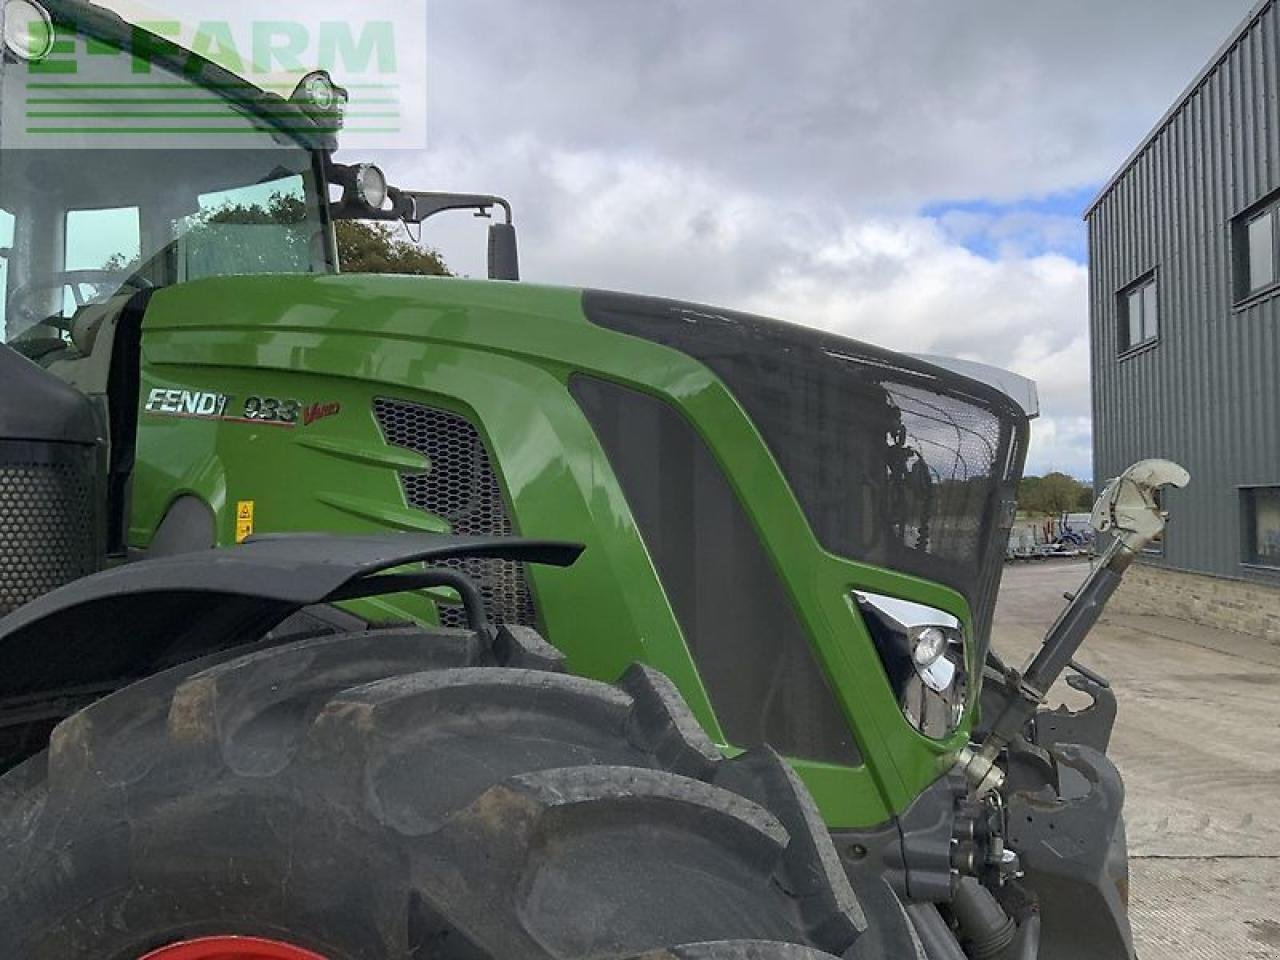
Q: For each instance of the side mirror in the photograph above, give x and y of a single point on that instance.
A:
(504, 254)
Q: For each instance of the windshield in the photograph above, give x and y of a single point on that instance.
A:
(83, 223)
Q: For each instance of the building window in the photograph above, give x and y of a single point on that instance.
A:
(1258, 249)
(1139, 314)
(1262, 526)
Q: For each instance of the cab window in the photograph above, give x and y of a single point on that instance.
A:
(261, 228)
(99, 245)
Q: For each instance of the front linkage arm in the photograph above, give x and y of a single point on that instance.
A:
(1129, 512)
(1054, 859)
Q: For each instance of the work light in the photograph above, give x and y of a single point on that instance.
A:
(321, 97)
(28, 30)
(319, 90)
(371, 185)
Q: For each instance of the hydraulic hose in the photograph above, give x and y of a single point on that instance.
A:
(985, 928)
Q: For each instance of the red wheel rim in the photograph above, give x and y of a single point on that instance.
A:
(232, 948)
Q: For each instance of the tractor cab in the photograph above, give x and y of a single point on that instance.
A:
(77, 248)
(114, 187)
(102, 197)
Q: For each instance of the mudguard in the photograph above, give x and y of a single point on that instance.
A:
(120, 623)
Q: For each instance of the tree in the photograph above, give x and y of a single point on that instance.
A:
(366, 247)
(223, 245)
(1053, 494)
(363, 246)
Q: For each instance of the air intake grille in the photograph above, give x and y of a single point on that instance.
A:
(462, 489)
(46, 529)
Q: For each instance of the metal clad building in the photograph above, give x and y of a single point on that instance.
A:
(1184, 262)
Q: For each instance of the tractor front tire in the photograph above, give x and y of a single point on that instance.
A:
(402, 793)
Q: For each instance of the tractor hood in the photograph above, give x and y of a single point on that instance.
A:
(49, 411)
(896, 461)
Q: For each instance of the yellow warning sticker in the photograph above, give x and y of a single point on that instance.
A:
(244, 520)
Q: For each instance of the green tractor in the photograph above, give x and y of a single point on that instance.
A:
(360, 618)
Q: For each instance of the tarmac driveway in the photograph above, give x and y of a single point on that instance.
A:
(1198, 742)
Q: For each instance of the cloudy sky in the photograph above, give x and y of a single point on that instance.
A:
(910, 173)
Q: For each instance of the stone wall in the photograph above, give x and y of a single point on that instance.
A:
(1252, 608)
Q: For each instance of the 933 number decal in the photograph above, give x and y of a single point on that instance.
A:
(272, 410)
(203, 405)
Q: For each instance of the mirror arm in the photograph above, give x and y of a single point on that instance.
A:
(416, 206)
(424, 205)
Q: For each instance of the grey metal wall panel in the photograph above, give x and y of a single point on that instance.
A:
(1208, 393)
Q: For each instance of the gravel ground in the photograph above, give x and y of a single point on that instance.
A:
(1196, 740)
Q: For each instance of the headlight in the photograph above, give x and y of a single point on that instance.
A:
(923, 652)
(927, 646)
(28, 30)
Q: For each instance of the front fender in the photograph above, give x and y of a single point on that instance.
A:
(81, 642)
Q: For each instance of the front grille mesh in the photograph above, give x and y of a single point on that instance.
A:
(462, 489)
(46, 532)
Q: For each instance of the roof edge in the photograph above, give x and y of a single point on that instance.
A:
(1251, 18)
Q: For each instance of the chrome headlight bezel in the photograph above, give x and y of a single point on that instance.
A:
(925, 655)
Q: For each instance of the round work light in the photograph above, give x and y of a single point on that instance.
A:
(371, 185)
(28, 30)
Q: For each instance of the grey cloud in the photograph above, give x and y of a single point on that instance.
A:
(873, 105)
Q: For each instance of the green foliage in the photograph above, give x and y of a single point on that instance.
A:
(1053, 494)
(216, 246)
(281, 208)
(237, 238)
(365, 247)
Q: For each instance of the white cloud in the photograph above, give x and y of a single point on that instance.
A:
(776, 158)
(900, 282)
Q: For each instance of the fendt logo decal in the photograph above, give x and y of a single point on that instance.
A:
(204, 405)
(188, 403)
